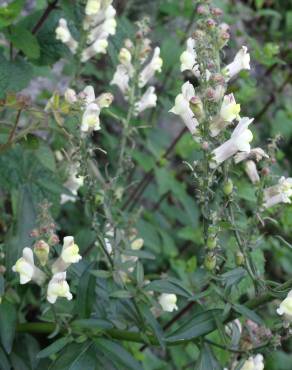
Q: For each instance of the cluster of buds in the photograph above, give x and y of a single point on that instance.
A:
(137, 65)
(90, 105)
(57, 285)
(99, 23)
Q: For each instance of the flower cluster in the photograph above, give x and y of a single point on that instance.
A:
(90, 105)
(99, 23)
(138, 65)
(28, 271)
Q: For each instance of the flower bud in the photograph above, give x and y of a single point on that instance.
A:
(217, 12)
(228, 187)
(210, 23)
(239, 259)
(54, 239)
(42, 250)
(211, 242)
(2, 269)
(202, 10)
(196, 106)
(210, 94)
(34, 233)
(210, 262)
(205, 145)
(265, 171)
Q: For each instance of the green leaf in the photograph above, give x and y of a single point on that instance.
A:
(54, 347)
(4, 363)
(14, 76)
(207, 360)
(2, 285)
(46, 157)
(7, 325)
(25, 41)
(75, 357)
(246, 312)
(123, 294)
(201, 324)
(168, 286)
(153, 323)
(103, 274)
(10, 12)
(118, 354)
(85, 293)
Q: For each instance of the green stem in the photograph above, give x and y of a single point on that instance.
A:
(46, 328)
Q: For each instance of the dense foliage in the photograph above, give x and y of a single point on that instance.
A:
(144, 218)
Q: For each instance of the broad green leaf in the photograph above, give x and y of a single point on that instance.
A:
(14, 76)
(153, 323)
(201, 324)
(54, 347)
(9, 12)
(118, 354)
(25, 41)
(46, 157)
(8, 319)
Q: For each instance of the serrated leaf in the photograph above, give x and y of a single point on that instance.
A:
(201, 324)
(7, 325)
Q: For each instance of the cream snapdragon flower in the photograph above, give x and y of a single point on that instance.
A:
(27, 270)
(285, 307)
(70, 254)
(240, 62)
(239, 142)
(182, 107)
(168, 302)
(58, 287)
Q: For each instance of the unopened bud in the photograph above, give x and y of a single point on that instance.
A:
(34, 233)
(202, 10)
(210, 262)
(196, 106)
(2, 269)
(211, 242)
(42, 250)
(104, 100)
(210, 23)
(199, 35)
(125, 56)
(53, 239)
(129, 44)
(217, 12)
(218, 78)
(265, 171)
(239, 259)
(205, 145)
(210, 94)
(228, 187)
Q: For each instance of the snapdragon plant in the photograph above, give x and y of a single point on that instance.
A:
(89, 278)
